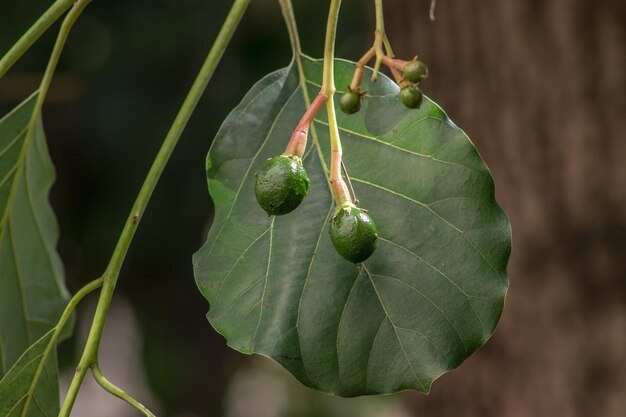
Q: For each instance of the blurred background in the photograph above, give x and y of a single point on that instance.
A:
(539, 86)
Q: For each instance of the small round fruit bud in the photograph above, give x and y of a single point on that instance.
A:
(281, 185)
(411, 96)
(415, 71)
(353, 234)
(350, 102)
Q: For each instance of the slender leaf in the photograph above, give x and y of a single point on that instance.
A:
(431, 294)
(32, 291)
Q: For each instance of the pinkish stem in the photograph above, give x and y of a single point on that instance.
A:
(297, 143)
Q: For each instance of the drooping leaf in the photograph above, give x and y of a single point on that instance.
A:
(32, 291)
(430, 295)
(15, 384)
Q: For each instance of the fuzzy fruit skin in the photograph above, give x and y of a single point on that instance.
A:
(353, 233)
(350, 102)
(281, 185)
(411, 97)
(414, 71)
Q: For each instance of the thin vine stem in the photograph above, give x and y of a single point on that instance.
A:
(118, 392)
(355, 85)
(67, 313)
(328, 80)
(36, 30)
(341, 193)
(90, 353)
(292, 27)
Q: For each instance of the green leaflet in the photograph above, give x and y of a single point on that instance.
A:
(429, 296)
(32, 290)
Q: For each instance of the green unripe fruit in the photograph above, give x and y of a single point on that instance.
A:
(414, 71)
(350, 102)
(353, 234)
(281, 185)
(411, 97)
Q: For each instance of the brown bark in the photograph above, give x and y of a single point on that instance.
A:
(540, 87)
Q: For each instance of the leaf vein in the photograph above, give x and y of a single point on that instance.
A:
(306, 278)
(398, 147)
(419, 381)
(20, 285)
(343, 310)
(238, 260)
(431, 302)
(461, 233)
(267, 273)
(13, 141)
(469, 297)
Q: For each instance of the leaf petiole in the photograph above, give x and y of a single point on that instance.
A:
(36, 30)
(355, 85)
(297, 143)
(341, 194)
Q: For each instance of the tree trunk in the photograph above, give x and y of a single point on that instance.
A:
(540, 88)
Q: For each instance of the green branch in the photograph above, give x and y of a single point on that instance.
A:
(379, 37)
(89, 356)
(119, 393)
(36, 30)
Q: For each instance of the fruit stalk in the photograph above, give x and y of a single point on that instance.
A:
(379, 37)
(394, 62)
(355, 85)
(297, 143)
(340, 190)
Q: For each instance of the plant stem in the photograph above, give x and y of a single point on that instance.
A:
(89, 356)
(292, 28)
(290, 21)
(388, 49)
(69, 309)
(36, 30)
(338, 186)
(119, 393)
(297, 143)
(346, 177)
(328, 81)
(395, 66)
(378, 37)
(355, 85)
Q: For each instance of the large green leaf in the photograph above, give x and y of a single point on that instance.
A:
(430, 295)
(32, 292)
